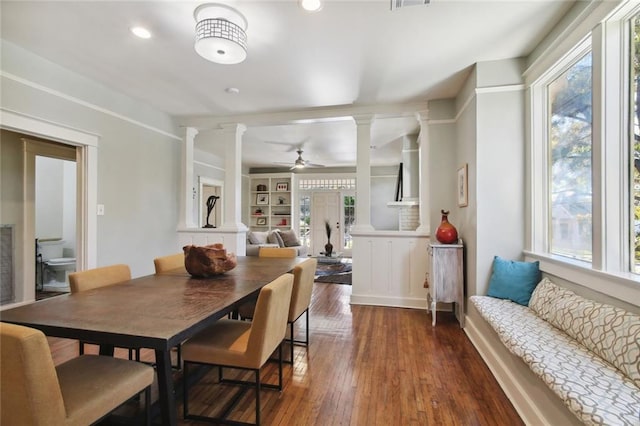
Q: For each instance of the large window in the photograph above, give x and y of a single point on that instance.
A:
(570, 181)
(635, 145)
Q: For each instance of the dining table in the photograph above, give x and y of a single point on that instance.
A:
(154, 311)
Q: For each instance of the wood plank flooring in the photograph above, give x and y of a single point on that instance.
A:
(366, 365)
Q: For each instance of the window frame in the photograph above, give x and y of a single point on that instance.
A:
(610, 269)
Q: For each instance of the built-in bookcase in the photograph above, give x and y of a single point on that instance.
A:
(271, 201)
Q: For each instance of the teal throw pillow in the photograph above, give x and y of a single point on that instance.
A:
(514, 280)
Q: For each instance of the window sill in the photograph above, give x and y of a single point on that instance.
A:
(622, 286)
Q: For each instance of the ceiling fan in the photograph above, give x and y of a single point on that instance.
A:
(301, 163)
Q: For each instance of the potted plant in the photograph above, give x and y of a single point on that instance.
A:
(328, 248)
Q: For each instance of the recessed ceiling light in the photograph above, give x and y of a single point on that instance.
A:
(232, 90)
(311, 5)
(141, 32)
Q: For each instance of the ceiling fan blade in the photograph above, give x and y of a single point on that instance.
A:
(309, 164)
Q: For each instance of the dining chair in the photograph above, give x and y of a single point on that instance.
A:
(167, 263)
(303, 277)
(283, 252)
(101, 277)
(242, 345)
(164, 264)
(77, 392)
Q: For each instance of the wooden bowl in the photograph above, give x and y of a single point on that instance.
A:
(207, 261)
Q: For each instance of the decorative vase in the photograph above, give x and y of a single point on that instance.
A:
(446, 232)
(328, 248)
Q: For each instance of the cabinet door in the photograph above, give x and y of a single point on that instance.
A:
(445, 273)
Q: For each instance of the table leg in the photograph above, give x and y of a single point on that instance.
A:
(106, 350)
(165, 388)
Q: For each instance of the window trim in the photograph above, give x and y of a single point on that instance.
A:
(610, 269)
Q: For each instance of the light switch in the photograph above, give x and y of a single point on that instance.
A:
(100, 210)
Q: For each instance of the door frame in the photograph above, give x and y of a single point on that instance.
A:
(87, 169)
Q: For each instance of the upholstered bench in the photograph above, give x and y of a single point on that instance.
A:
(586, 352)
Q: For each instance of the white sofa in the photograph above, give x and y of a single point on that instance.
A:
(586, 352)
(274, 238)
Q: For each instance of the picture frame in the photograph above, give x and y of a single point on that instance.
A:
(463, 186)
(261, 221)
(282, 186)
(262, 199)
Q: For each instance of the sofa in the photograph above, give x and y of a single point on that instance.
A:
(274, 238)
(586, 352)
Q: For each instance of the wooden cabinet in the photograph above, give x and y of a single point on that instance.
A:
(445, 277)
(271, 201)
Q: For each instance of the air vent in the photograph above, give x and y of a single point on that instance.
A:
(397, 4)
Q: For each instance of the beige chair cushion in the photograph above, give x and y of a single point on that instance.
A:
(78, 392)
(92, 385)
(283, 252)
(98, 277)
(243, 344)
(30, 391)
(167, 263)
(303, 276)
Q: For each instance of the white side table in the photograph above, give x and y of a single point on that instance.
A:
(446, 278)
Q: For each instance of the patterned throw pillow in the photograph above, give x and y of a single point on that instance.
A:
(256, 237)
(290, 238)
(513, 280)
(610, 332)
(275, 238)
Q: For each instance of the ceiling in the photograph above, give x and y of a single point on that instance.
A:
(350, 53)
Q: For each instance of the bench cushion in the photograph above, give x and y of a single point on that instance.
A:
(610, 332)
(595, 391)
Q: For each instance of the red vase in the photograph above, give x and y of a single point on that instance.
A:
(446, 232)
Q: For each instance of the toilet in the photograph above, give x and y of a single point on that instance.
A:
(57, 267)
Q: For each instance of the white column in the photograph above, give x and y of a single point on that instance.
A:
(423, 155)
(188, 190)
(363, 174)
(232, 204)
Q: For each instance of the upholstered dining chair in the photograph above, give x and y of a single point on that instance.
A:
(282, 252)
(101, 277)
(77, 392)
(166, 263)
(303, 276)
(243, 345)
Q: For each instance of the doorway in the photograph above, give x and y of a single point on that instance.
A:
(51, 189)
(325, 209)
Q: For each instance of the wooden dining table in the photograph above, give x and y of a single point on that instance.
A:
(154, 311)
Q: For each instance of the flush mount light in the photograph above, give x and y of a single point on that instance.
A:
(311, 5)
(232, 90)
(141, 32)
(220, 33)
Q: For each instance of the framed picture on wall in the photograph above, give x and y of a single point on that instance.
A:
(282, 186)
(463, 187)
(261, 221)
(262, 199)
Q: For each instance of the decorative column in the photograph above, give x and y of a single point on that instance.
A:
(363, 174)
(423, 155)
(232, 140)
(188, 190)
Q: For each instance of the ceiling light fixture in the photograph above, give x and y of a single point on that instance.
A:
(141, 32)
(220, 33)
(311, 5)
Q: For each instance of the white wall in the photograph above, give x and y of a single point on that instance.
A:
(138, 154)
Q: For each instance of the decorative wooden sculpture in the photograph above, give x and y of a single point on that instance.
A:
(207, 261)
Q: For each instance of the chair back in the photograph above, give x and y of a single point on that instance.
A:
(98, 277)
(283, 252)
(303, 276)
(269, 324)
(166, 263)
(30, 389)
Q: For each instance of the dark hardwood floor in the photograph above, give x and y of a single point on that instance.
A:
(366, 366)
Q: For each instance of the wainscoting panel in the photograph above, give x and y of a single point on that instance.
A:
(389, 269)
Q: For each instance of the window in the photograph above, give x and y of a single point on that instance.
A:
(570, 188)
(635, 145)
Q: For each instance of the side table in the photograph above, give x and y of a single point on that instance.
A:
(445, 278)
